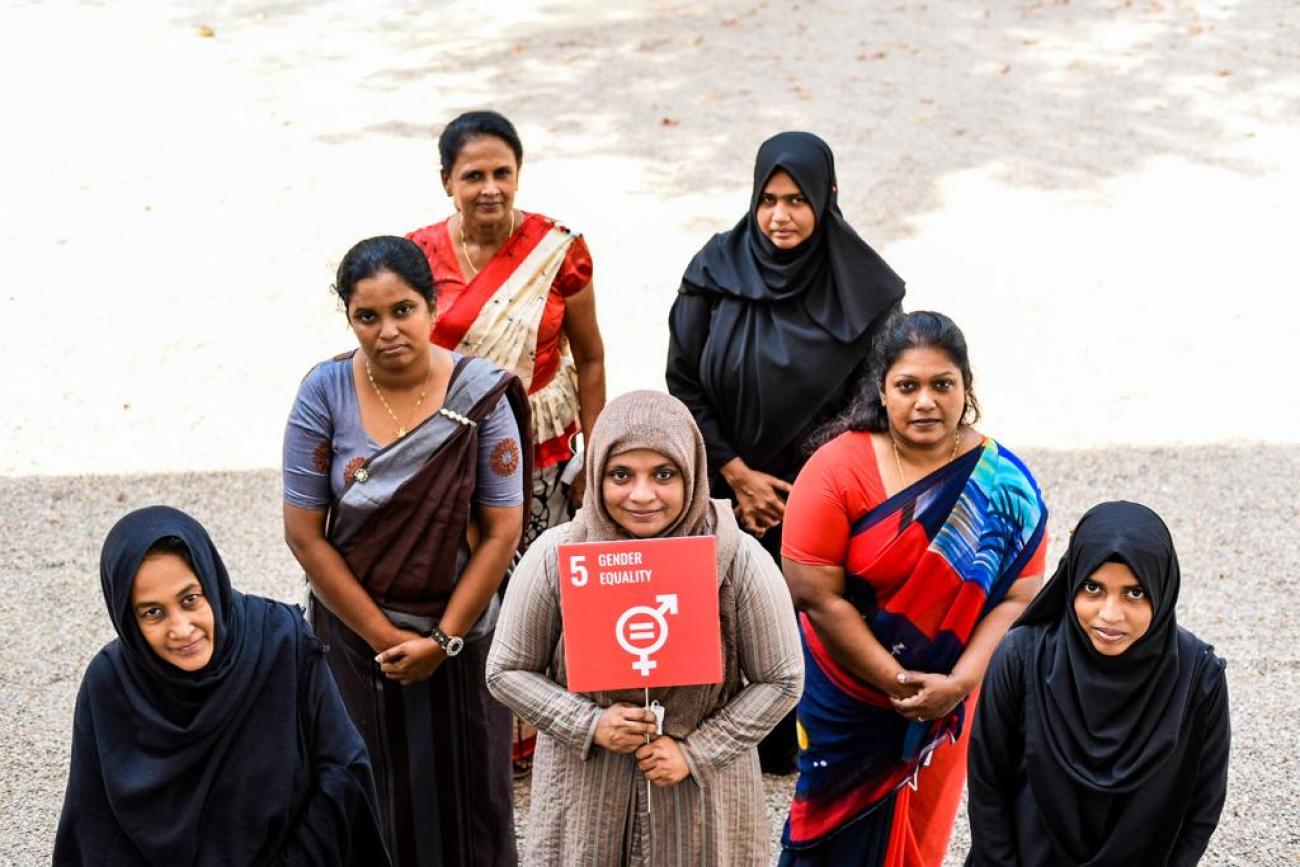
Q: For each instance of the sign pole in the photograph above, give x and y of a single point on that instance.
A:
(649, 806)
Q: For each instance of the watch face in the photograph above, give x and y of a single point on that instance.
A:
(454, 646)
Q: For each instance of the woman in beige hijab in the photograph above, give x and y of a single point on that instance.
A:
(646, 477)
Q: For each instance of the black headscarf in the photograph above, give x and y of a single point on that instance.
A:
(788, 326)
(1100, 727)
(229, 764)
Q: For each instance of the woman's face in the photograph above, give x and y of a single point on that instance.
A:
(784, 213)
(483, 181)
(390, 319)
(644, 492)
(924, 396)
(172, 611)
(1113, 608)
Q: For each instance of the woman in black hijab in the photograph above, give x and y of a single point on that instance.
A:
(771, 325)
(1102, 733)
(209, 731)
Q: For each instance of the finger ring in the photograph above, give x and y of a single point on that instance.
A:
(920, 718)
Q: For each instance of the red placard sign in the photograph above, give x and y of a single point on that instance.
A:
(642, 612)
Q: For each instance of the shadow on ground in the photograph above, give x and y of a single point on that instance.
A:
(1057, 95)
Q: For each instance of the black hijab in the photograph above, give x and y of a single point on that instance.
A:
(1099, 728)
(789, 326)
(205, 767)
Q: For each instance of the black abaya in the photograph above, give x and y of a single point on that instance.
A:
(1078, 758)
(766, 345)
(763, 341)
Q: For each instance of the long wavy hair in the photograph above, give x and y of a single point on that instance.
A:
(915, 330)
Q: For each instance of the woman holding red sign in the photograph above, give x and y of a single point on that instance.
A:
(912, 542)
(647, 478)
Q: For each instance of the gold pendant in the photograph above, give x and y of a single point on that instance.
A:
(401, 432)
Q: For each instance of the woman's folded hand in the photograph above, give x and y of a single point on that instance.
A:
(760, 497)
(936, 695)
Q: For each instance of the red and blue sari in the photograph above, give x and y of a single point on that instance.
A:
(922, 568)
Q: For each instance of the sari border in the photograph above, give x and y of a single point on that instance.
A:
(481, 287)
(451, 382)
(884, 509)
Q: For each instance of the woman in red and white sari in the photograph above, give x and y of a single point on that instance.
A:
(515, 288)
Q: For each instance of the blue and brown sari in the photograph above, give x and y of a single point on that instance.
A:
(923, 568)
(440, 747)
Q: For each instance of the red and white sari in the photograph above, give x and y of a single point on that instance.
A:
(512, 313)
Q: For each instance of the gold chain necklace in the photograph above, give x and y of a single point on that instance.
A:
(956, 443)
(398, 426)
(464, 248)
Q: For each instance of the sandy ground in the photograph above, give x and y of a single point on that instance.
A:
(1103, 194)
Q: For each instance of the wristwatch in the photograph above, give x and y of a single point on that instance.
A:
(450, 644)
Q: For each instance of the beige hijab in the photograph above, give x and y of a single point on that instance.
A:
(662, 423)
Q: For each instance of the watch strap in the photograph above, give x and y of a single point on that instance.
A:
(450, 644)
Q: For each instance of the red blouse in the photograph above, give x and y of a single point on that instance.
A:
(450, 283)
(840, 483)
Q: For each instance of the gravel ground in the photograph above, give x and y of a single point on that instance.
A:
(1232, 510)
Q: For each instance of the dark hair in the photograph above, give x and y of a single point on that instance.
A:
(171, 545)
(385, 253)
(472, 125)
(915, 330)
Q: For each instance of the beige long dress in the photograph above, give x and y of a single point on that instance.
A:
(589, 804)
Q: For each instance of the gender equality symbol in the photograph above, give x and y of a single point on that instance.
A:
(642, 630)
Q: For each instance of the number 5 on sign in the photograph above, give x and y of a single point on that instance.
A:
(578, 570)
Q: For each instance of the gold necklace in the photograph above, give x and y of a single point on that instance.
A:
(398, 426)
(956, 443)
(464, 248)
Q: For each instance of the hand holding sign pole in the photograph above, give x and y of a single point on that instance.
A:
(639, 585)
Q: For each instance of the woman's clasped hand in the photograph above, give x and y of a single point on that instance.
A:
(413, 660)
(760, 497)
(626, 728)
(923, 695)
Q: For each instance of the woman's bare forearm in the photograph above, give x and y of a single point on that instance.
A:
(482, 576)
(974, 660)
(338, 589)
(817, 591)
(583, 331)
(853, 645)
(591, 391)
